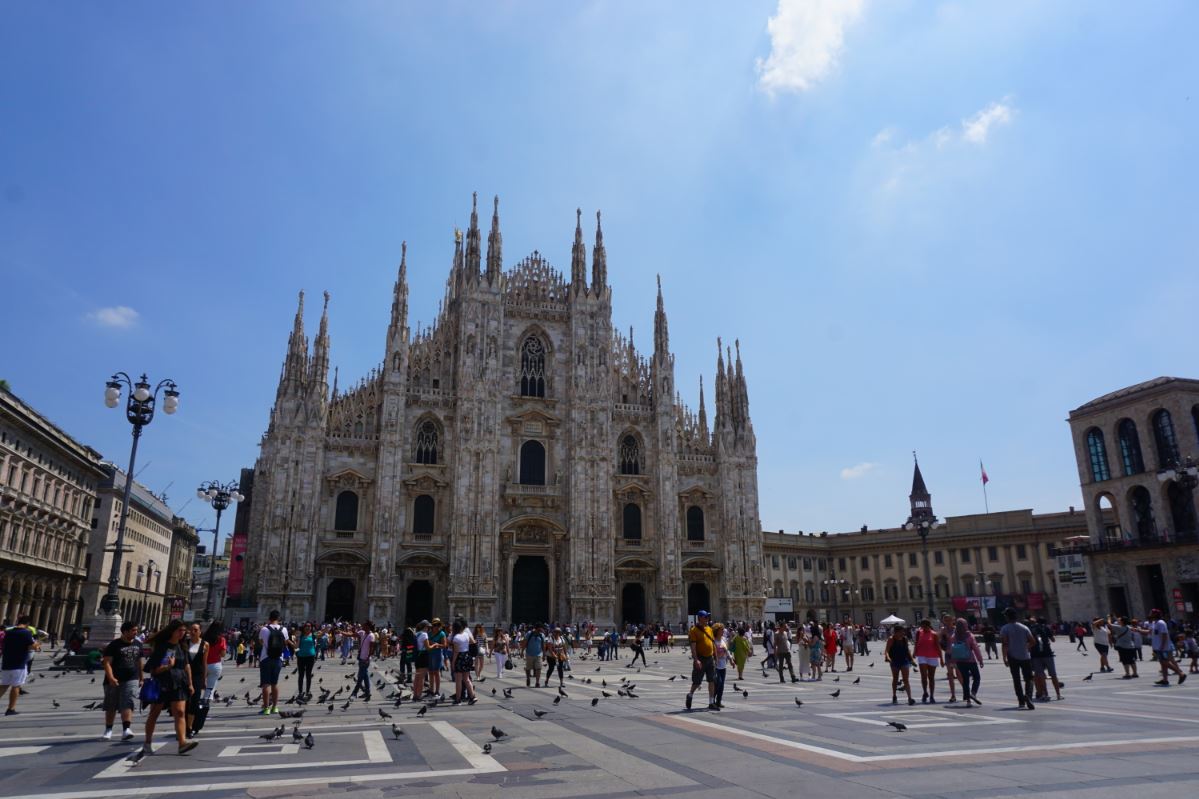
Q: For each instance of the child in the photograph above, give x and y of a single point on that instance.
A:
(1187, 644)
(241, 653)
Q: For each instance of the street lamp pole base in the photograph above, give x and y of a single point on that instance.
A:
(104, 627)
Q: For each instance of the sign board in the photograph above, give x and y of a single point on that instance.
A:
(1071, 568)
(780, 604)
(1180, 606)
(177, 604)
(189, 615)
(1177, 594)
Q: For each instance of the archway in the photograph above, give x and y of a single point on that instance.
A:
(418, 604)
(632, 604)
(1182, 509)
(339, 600)
(530, 590)
(1142, 513)
(698, 598)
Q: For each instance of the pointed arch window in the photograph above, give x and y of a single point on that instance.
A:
(1164, 438)
(1098, 454)
(632, 522)
(427, 436)
(1130, 447)
(345, 517)
(630, 455)
(532, 367)
(532, 463)
(424, 514)
(695, 523)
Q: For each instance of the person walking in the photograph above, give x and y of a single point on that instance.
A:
(368, 643)
(742, 648)
(168, 667)
(1016, 642)
(197, 664)
(463, 663)
(122, 662)
(305, 647)
(966, 656)
(1163, 647)
(214, 636)
(830, 646)
(898, 653)
(989, 641)
(782, 651)
(1044, 668)
(15, 654)
(703, 662)
(1121, 635)
(480, 649)
(555, 656)
(928, 657)
(816, 651)
(721, 645)
(421, 661)
(499, 649)
(943, 636)
(846, 637)
(534, 648)
(1102, 639)
(272, 639)
(1080, 633)
(437, 650)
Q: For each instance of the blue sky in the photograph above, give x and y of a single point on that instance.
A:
(933, 226)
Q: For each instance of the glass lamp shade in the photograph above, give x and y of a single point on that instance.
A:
(112, 392)
(141, 393)
(170, 404)
(239, 497)
(909, 527)
(200, 494)
(112, 402)
(212, 493)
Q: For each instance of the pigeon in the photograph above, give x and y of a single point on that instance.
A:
(871, 665)
(597, 668)
(243, 679)
(423, 710)
(346, 706)
(745, 694)
(383, 714)
(268, 736)
(835, 693)
(540, 713)
(1088, 677)
(497, 733)
(899, 726)
(604, 683)
(484, 679)
(137, 757)
(858, 680)
(674, 677)
(296, 735)
(595, 701)
(54, 702)
(557, 699)
(836, 679)
(330, 707)
(735, 686)
(606, 694)
(493, 692)
(487, 748)
(93, 678)
(798, 702)
(309, 742)
(507, 693)
(396, 731)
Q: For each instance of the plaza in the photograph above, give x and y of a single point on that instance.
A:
(1107, 737)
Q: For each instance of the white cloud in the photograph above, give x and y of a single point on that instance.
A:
(882, 137)
(806, 36)
(976, 128)
(859, 470)
(117, 317)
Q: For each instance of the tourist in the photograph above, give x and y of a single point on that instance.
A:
(122, 661)
(722, 662)
(534, 648)
(898, 653)
(803, 651)
(197, 664)
(928, 656)
(368, 645)
(990, 640)
(816, 651)
(306, 648)
(768, 647)
(1016, 641)
(463, 663)
(499, 649)
(421, 661)
(1163, 647)
(271, 640)
(782, 651)
(479, 651)
(830, 646)
(1102, 640)
(968, 660)
(1122, 639)
(743, 649)
(1043, 661)
(1191, 648)
(1080, 633)
(943, 636)
(168, 667)
(213, 667)
(556, 655)
(703, 664)
(847, 645)
(15, 653)
(437, 648)
(638, 647)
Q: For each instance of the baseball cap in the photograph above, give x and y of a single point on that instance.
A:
(703, 613)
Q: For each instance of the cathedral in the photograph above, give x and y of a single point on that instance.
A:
(517, 461)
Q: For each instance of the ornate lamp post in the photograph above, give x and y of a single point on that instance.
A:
(836, 589)
(922, 525)
(139, 410)
(219, 496)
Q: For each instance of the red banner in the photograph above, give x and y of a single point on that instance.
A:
(237, 569)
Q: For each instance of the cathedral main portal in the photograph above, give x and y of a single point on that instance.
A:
(530, 590)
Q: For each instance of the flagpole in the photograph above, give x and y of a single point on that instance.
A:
(986, 504)
(982, 470)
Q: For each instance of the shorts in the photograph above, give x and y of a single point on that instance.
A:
(422, 659)
(1101, 648)
(533, 664)
(707, 668)
(268, 671)
(464, 663)
(1128, 656)
(14, 677)
(122, 696)
(900, 665)
(1163, 655)
(927, 661)
(1042, 665)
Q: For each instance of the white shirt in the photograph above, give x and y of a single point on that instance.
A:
(1161, 635)
(264, 635)
(1101, 636)
(462, 641)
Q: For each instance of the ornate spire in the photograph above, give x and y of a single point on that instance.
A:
(474, 248)
(599, 258)
(319, 374)
(722, 396)
(741, 389)
(334, 382)
(703, 412)
(458, 268)
(921, 500)
(578, 256)
(661, 333)
(295, 364)
(495, 245)
(399, 297)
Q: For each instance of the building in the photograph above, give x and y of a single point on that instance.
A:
(1136, 449)
(177, 593)
(978, 565)
(519, 460)
(145, 564)
(47, 492)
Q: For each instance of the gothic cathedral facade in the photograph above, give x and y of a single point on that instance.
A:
(517, 461)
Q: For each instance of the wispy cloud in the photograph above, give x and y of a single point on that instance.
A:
(806, 37)
(117, 317)
(976, 128)
(857, 471)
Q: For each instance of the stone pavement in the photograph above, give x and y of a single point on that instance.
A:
(1109, 737)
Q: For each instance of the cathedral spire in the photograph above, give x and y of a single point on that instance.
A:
(334, 393)
(742, 389)
(703, 412)
(399, 297)
(599, 259)
(495, 245)
(474, 249)
(578, 256)
(319, 375)
(722, 396)
(457, 270)
(295, 364)
(661, 333)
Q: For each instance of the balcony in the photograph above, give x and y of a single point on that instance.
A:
(545, 496)
(1122, 544)
(699, 546)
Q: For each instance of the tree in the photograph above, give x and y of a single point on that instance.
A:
(4, 385)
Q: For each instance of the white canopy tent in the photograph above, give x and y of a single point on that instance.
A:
(892, 620)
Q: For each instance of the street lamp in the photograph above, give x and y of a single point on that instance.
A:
(139, 410)
(219, 496)
(148, 570)
(836, 584)
(922, 525)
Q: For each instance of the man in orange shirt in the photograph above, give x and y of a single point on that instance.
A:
(703, 662)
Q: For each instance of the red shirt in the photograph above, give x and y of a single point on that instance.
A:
(830, 640)
(928, 644)
(216, 652)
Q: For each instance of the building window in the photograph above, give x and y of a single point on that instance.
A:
(865, 562)
(996, 584)
(939, 557)
(820, 564)
(532, 368)
(1021, 552)
(345, 518)
(632, 522)
(841, 564)
(695, 523)
(630, 455)
(791, 562)
(532, 463)
(426, 442)
(423, 515)
(868, 593)
(887, 560)
(1025, 585)
(1163, 437)
(810, 594)
(774, 561)
(968, 586)
(824, 596)
(912, 559)
(1098, 454)
(965, 555)
(1130, 447)
(992, 554)
(807, 564)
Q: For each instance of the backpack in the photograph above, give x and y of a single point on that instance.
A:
(960, 650)
(274, 642)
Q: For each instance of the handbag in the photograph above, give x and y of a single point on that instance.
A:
(508, 664)
(150, 692)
